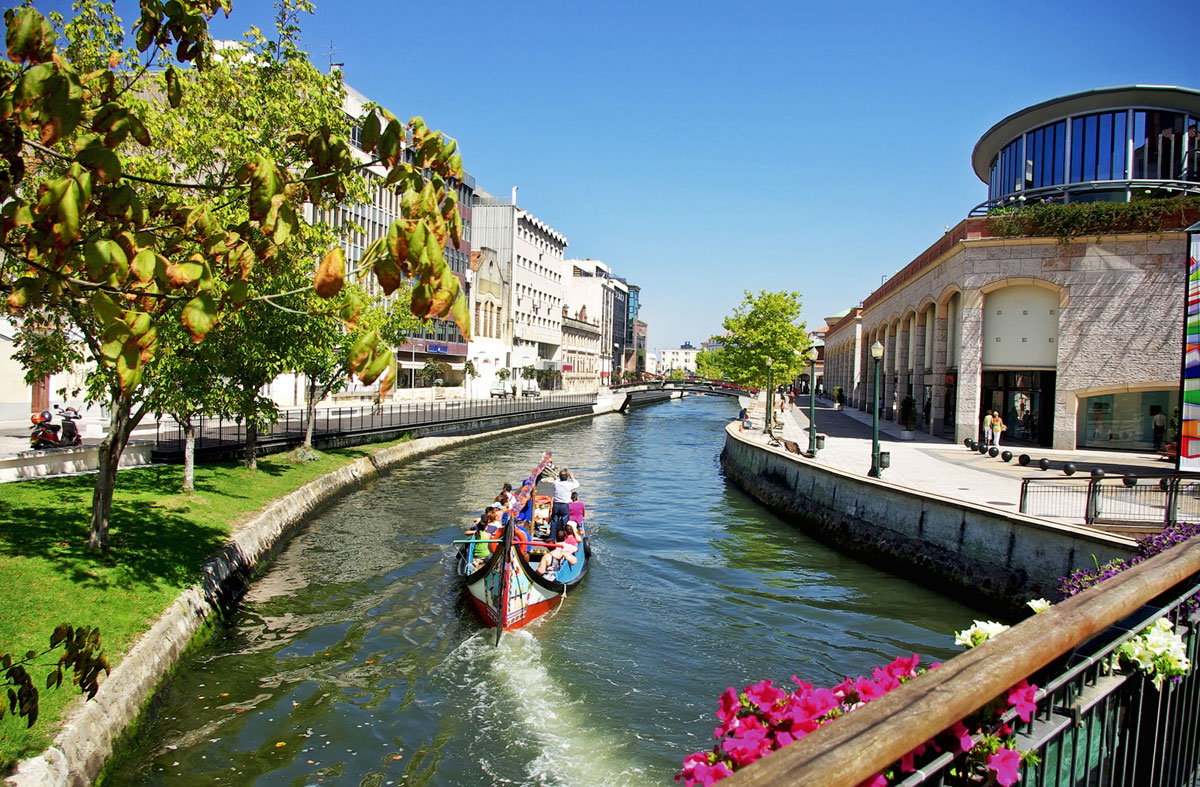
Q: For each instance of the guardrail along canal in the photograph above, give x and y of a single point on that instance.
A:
(355, 660)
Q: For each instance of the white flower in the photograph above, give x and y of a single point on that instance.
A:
(1158, 652)
(1039, 605)
(980, 632)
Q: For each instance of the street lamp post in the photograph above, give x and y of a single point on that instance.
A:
(770, 403)
(812, 401)
(877, 354)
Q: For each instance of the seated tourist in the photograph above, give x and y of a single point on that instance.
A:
(552, 562)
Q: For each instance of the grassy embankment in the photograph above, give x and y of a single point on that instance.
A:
(159, 540)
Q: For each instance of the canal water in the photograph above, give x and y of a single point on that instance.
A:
(355, 659)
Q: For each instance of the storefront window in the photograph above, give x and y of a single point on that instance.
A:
(1123, 421)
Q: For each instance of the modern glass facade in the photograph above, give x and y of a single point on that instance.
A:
(1124, 420)
(1094, 153)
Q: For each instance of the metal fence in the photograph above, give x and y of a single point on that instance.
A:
(1124, 500)
(218, 433)
(1094, 726)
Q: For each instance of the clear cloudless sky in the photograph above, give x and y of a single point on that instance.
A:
(702, 149)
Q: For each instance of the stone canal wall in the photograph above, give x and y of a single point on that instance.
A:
(93, 731)
(1001, 559)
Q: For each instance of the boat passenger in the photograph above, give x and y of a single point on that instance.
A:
(576, 509)
(569, 534)
(490, 531)
(552, 561)
(563, 487)
(505, 493)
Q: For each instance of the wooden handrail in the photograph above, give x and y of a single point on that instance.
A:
(854, 747)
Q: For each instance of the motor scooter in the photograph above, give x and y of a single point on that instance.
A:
(46, 434)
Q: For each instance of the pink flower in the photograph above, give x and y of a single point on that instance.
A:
(801, 684)
(1005, 763)
(875, 781)
(705, 774)
(764, 694)
(904, 667)
(886, 680)
(906, 762)
(1021, 698)
(963, 735)
(752, 742)
(868, 690)
(816, 703)
(727, 711)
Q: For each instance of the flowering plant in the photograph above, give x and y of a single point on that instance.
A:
(981, 631)
(1158, 651)
(764, 718)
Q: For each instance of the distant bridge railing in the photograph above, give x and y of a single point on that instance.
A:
(1091, 726)
(691, 384)
(1161, 499)
(219, 435)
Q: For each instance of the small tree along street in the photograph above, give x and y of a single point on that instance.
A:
(121, 227)
(763, 326)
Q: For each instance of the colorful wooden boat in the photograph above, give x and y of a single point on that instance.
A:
(506, 589)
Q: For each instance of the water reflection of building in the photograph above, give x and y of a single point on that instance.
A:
(1075, 344)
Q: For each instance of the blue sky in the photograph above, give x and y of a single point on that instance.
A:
(702, 149)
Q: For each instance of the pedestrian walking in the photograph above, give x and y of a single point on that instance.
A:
(1160, 429)
(987, 428)
(998, 428)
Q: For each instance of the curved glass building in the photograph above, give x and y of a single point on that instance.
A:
(1100, 145)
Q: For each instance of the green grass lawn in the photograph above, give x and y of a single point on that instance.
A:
(159, 540)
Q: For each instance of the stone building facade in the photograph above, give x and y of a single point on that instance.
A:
(1073, 343)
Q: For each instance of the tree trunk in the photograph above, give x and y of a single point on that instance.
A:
(110, 450)
(310, 411)
(189, 454)
(251, 440)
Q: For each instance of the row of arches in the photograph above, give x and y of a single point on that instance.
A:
(990, 347)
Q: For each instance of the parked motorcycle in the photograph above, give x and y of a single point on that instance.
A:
(47, 434)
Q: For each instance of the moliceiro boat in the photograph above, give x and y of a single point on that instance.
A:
(499, 563)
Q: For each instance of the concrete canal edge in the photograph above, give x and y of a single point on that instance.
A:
(94, 728)
(1003, 559)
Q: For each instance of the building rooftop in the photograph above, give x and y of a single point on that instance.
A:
(1148, 96)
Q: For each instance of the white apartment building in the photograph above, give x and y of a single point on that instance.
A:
(592, 288)
(532, 252)
(683, 357)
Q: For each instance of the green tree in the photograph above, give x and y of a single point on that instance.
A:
(766, 325)
(709, 363)
(676, 374)
(118, 220)
(432, 371)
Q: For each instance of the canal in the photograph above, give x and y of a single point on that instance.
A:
(355, 660)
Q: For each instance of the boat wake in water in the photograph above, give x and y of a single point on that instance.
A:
(517, 699)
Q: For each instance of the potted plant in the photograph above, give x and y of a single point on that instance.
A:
(908, 418)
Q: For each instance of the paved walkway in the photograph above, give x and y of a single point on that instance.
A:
(933, 465)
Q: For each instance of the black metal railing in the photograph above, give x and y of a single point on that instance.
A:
(219, 432)
(1097, 719)
(1097, 726)
(1116, 500)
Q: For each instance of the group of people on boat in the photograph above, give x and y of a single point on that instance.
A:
(565, 524)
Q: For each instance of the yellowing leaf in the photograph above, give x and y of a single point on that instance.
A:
(331, 274)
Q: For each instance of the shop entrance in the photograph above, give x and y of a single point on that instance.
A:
(1025, 400)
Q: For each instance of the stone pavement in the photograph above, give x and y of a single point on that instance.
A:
(936, 466)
